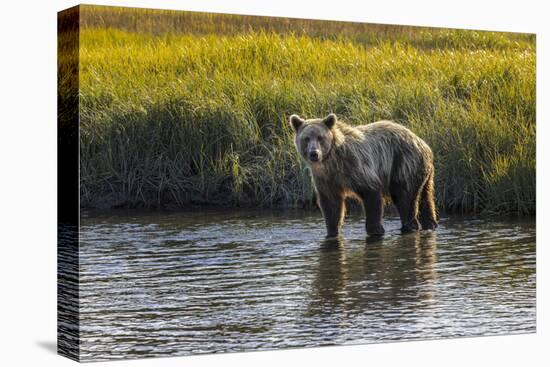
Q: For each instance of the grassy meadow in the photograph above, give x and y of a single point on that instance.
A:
(178, 111)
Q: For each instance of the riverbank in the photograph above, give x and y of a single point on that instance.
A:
(174, 119)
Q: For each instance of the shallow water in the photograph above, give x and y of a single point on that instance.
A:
(159, 284)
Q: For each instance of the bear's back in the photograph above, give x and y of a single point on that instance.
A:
(391, 131)
(387, 125)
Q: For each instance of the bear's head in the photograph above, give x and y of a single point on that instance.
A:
(314, 138)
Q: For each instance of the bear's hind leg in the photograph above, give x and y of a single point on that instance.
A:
(406, 202)
(373, 203)
(428, 216)
(334, 210)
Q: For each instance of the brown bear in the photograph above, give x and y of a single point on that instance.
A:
(369, 162)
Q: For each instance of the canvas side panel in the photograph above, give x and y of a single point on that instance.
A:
(68, 183)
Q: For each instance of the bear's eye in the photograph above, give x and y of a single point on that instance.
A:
(320, 139)
(306, 139)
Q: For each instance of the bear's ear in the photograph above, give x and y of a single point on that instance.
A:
(330, 120)
(296, 122)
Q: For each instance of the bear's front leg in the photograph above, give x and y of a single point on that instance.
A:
(333, 209)
(373, 202)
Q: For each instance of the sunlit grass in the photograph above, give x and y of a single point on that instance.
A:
(181, 118)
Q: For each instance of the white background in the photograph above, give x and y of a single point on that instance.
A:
(28, 181)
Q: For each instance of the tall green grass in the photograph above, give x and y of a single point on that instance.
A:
(180, 118)
(158, 22)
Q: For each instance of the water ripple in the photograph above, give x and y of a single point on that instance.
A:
(157, 284)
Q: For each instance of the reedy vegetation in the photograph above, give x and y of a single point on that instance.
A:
(178, 118)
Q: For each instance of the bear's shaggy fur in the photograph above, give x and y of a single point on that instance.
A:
(368, 162)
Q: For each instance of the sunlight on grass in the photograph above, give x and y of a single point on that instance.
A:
(202, 118)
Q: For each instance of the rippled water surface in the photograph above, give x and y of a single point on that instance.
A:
(158, 284)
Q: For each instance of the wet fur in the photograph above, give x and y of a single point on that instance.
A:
(369, 162)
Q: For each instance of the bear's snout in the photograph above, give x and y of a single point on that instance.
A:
(314, 155)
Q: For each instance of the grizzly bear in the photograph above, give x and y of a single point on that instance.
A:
(369, 162)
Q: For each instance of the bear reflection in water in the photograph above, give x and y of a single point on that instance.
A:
(383, 273)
